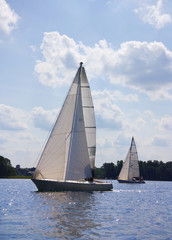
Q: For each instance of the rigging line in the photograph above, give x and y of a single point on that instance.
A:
(53, 143)
(49, 153)
(41, 150)
(53, 127)
(68, 135)
(46, 141)
(47, 150)
(57, 148)
(45, 166)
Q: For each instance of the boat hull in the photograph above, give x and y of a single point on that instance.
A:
(130, 181)
(55, 186)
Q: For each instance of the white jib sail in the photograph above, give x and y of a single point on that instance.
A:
(65, 156)
(130, 167)
(125, 168)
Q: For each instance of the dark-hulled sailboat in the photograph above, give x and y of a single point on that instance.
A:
(68, 160)
(130, 172)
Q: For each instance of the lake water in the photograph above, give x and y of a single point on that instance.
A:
(129, 212)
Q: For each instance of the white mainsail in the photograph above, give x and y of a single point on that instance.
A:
(71, 146)
(89, 118)
(130, 168)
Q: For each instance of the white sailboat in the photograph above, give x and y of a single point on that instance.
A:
(130, 172)
(68, 160)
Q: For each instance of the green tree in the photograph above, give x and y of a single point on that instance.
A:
(109, 170)
(6, 168)
(150, 170)
(119, 166)
(99, 173)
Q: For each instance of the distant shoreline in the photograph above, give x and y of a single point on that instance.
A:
(29, 177)
(16, 177)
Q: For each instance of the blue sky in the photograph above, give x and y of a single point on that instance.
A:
(126, 47)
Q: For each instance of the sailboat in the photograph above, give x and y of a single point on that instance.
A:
(130, 172)
(68, 160)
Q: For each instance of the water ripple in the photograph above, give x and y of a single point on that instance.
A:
(127, 212)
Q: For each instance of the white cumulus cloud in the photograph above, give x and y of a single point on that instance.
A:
(143, 66)
(146, 67)
(43, 119)
(108, 114)
(8, 17)
(60, 54)
(12, 118)
(160, 141)
(115, 95)
(166, 123)
(153, 15)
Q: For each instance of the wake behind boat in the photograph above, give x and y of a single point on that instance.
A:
(68, 160)
(130, 172)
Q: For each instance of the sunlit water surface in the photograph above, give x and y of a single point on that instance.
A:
(142, 211)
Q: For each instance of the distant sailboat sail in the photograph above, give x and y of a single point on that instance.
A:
(69, 154)
(130, 172)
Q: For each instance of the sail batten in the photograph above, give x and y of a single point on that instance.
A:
(88, 107)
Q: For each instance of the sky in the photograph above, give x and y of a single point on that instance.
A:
(126, 48)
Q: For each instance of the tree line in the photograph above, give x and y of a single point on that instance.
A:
(6, 168)
(150, 170)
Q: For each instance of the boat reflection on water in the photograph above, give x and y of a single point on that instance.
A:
(70, 214)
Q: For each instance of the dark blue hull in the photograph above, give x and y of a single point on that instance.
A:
(130, 181)
(48, 185)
